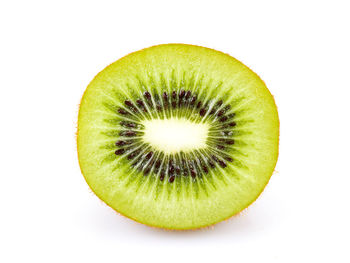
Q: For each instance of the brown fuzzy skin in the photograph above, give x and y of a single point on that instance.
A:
(164, 228)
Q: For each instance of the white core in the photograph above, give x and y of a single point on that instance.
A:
(175, 135)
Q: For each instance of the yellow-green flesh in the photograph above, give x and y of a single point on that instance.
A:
(188, 202)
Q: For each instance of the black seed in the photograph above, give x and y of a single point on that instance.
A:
(171, 178)
(202, 112)
(212, 111)
(188, 95)
(173, 103)
(227, 158)
(128, 124)
(185, 172)
(177, 170)
(223, 119)
(230, 142)
(193, 173)
(216, 159)
(220, 147)
(122, 111)
(205, 169)
(211, 164)
(222, 163)
(174, 95)
(165, 99)
(193, 100)
(141, 105)
(149, 155)
(232, 124)
(159, 108)
(128, 103)
(131, 125)
(119, 152)
(220, 113)
(219, 103)
(182, 94)
(158, 163)
(171, 167)
(199, 105)
(184, 167)
(121, 143)
(162, 175)
(147, 170)
(147, 95)
(128, 133)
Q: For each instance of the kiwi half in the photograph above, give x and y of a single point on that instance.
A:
(177, 136)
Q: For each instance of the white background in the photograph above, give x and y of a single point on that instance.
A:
(50, 51)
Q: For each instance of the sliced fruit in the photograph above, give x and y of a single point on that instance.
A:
(177, 136)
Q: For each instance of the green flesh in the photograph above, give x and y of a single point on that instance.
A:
(188, 202)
